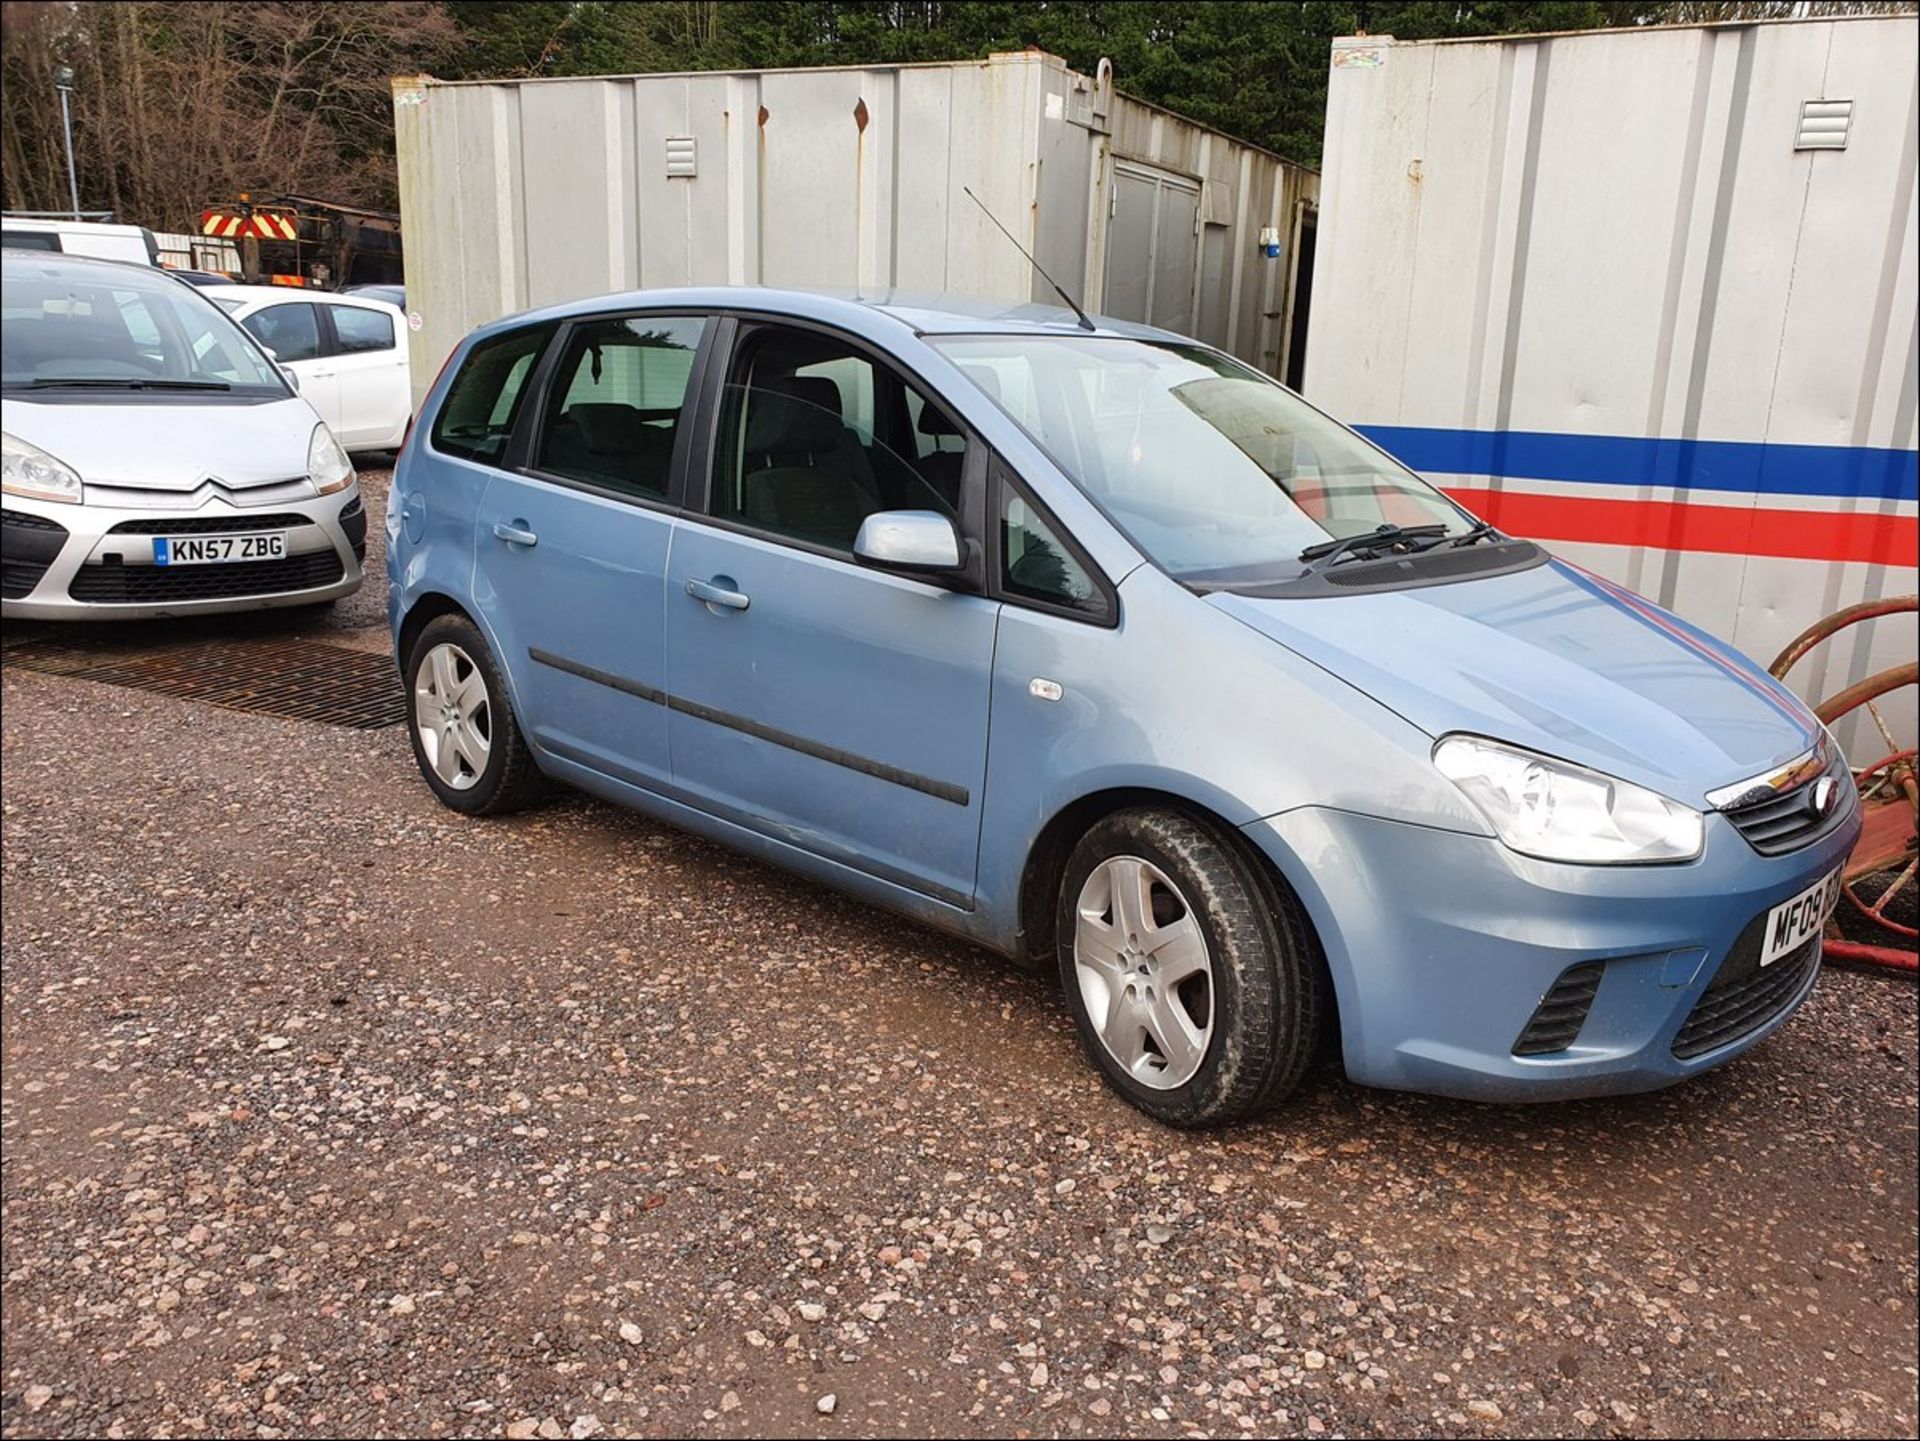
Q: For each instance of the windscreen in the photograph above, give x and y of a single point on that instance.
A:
(99, 332)
(1218, 474)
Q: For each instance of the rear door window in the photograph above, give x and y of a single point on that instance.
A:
(615, 402)
(481, 405)
(359, 331)
(291, 332)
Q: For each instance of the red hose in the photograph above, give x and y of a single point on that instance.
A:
(1886, 956)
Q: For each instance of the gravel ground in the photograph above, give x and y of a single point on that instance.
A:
(326, 1111)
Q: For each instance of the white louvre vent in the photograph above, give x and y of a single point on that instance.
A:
(1824, 125)
(680, 156)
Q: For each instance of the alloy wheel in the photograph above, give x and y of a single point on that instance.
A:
(1145, 971)
(452, 716)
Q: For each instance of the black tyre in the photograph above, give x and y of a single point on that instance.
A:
(1193, 977)
(465, 738)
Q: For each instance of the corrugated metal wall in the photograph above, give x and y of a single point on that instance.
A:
(196, 252)
(516, 194)
(1590, 283)
(521, 194)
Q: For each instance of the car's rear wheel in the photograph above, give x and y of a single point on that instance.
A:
(1192, 976)
(465, 738)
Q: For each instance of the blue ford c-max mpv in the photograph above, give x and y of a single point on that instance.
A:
(1088, 642)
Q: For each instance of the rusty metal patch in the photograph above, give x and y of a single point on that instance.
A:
(292, 678)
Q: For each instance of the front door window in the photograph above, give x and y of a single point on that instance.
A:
(815, 437)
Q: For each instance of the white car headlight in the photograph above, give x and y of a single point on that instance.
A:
(28, 470)
(1562, 812)
(327, 464)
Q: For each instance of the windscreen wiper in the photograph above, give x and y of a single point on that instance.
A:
(1352, 547)
(1482, 530)
(102, 382)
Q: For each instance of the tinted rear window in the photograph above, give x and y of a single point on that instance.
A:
(361, 330)
(478, 414)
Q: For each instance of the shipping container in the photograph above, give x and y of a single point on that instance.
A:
(1649, 295)
(179, 251)
(522, 193)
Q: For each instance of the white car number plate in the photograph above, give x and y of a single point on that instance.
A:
(1791, 923)
(218, 549)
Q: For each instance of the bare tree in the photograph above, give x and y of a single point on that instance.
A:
(178, 105)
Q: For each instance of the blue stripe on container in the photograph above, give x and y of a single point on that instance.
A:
(1719, 465)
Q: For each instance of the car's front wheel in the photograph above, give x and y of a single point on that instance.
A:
(1191, 974)
(465, 738)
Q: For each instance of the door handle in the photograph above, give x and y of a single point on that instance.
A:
(321, 374)
(515, 533)
(715, 592)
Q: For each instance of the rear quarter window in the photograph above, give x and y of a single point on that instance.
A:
(482, 403)
(361, 330)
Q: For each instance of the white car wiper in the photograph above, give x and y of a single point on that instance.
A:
(101, 382)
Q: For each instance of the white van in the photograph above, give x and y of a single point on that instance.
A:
(133, 243)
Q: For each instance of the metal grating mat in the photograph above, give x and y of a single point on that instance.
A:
(278, 676)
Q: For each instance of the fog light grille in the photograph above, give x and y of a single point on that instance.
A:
(1562, 1011)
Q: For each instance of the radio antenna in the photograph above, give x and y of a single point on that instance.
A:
(1072, 304)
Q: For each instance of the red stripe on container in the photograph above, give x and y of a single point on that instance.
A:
(1678, 525)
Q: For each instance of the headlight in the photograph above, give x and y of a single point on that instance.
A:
(28, 470)
(327, 464)
(1561, 812)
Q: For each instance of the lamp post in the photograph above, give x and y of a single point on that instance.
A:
(63, 82)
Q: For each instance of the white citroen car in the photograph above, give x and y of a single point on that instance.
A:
(156, 461)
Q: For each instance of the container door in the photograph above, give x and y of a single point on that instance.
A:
(1130, 245)
(1176, 242)
(1152, 247)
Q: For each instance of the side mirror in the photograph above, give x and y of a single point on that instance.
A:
(921, 541)
(293, 377)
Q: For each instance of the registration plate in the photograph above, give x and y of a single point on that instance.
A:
(1792, 923)
(217, 549)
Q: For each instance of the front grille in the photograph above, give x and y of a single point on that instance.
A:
(1743, 997)
(20, 520)
(29, 544)
(1557, 1020)
(210, 525)
(1786, 822)
(159, 584)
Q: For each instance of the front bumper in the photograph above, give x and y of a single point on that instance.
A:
(1443, 946)
(95, 562)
